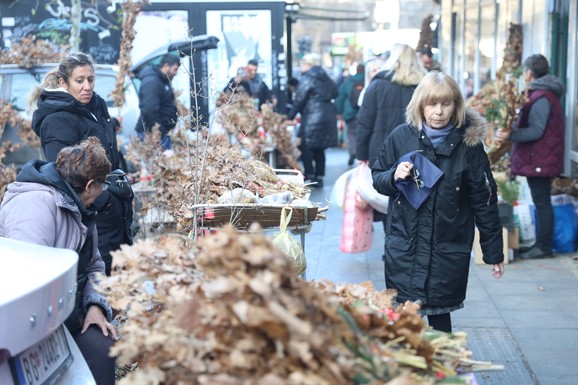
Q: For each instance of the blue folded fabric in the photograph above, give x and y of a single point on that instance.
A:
(423, 178)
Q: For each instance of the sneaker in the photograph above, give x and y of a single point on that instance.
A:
(535, 253)
(319, 181)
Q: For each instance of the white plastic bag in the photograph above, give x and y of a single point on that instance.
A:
(363, 182)
(337, 196)
(524, 221)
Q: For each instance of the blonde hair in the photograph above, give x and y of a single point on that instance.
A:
(436, 87)
(312, 59)
(373, 65)
(406, 68)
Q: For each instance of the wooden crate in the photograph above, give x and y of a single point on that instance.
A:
(243, 215)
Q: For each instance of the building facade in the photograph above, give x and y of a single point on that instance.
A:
(473, 33)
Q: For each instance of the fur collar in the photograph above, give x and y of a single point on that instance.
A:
(476, 128)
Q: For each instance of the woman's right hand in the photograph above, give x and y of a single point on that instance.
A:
(403, 171)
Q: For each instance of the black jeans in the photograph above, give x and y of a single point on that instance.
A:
(308, 157)
(540, 190)
(95, 347)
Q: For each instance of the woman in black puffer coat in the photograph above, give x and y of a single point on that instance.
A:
(428, 245)
(315, 100)
(69, 111)
(385, 101)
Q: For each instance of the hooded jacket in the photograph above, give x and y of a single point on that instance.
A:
(156, 101)
(42, 208)
(538, 137)
(343, 103)
(314, 99)
(427, 251)
(61, 121)
(382, 110)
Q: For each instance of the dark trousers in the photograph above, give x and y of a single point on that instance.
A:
(440, 322)
(313, 161)
(95, 347)
(351, 141)
(540, 190)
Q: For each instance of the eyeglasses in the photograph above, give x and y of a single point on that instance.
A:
(415, 176)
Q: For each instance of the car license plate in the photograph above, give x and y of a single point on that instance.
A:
(44, 362)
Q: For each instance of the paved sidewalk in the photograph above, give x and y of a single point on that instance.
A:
(526, 321)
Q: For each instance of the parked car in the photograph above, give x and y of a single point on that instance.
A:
(17, 82)
(37, 286)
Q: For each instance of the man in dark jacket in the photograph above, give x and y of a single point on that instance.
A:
(157, 100)
(347, 108)
(258, 89)
(538, 146)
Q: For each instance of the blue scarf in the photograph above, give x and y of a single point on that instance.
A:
(437, 136)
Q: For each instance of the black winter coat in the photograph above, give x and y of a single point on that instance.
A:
(314, 99)
(156, 101)
(427, 251)
(382, 110)
(61, 121)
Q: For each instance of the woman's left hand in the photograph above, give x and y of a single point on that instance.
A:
(498, 270)
(95, 316)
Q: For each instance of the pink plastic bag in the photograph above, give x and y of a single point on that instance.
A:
(356, 231)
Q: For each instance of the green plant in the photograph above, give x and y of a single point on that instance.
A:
(510, 190)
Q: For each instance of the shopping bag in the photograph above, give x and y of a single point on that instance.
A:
(363, 182)
(337, 197)
(524, 221)
(356, 231)
(284, 242)
(565, 228)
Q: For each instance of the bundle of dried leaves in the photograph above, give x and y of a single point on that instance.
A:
(498, 101)
(201, 169)
(29, 52)
(130, 12)
(256, 130)
(229, 310)
(7, 173)
(9, 115)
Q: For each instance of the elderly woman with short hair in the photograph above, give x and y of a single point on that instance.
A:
(50, 204)
(430, 226)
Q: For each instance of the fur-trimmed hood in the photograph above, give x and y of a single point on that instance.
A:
(475, 127)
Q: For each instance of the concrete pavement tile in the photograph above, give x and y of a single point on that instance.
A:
(552, 366)
(460, 322)
(538, 319)
(542, 338)
(524, 303)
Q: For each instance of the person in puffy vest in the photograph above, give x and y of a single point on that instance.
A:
(538, 146)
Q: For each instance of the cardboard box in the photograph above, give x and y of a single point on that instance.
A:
(478, 249)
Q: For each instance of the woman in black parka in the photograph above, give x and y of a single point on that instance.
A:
(427, 250)
(68, 111)
(315, 100)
